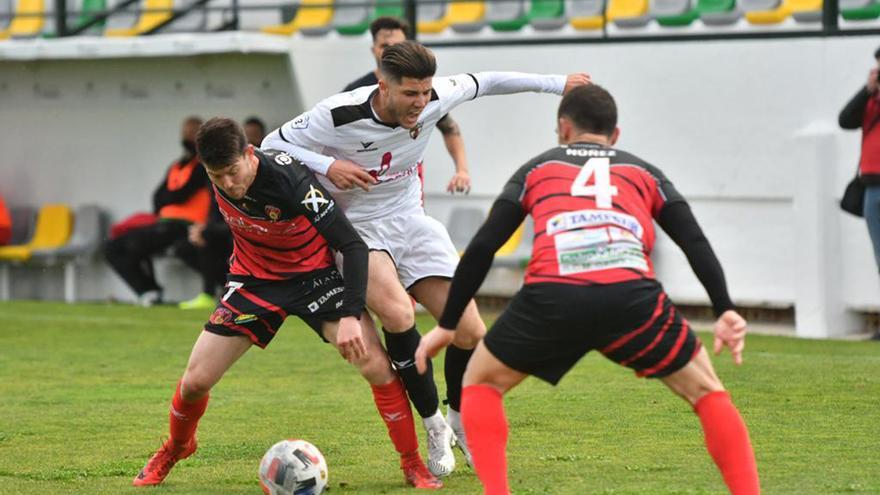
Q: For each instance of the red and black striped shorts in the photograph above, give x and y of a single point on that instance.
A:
(256, 308)
(548, 328)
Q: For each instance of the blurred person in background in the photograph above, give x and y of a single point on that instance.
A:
(863, 112)
(255, 130)
(182, 199)
(5, 224)
(211, 244)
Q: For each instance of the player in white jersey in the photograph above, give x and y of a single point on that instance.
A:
(366, 145)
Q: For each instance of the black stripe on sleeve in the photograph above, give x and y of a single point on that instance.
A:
(477, 84)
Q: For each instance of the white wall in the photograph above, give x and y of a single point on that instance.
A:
(721, 118)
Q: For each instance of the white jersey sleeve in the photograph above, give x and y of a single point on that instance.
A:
(455, 90)
(305, 138)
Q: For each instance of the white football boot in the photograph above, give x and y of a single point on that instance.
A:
(453, 419)
(441, 460)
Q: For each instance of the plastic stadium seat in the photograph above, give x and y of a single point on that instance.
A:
(859, 10)
(122, 19)
(351, 19)
(801, 10)
(506, 15)
(147, 21)
(431, 17)
(5, 10)
(517, 251)
(718, 12)
(26, 26)
(466, 17)
(586, 14)
(89, 9)
(384, 8)
(463, 224)
(673, 13)
(89, 230)
(628, 13)
(23, 220)
(194, 20)
(54, 224)
(307, 18)
(545, 15)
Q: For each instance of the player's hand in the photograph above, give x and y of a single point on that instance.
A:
(730, 331)
(460, 183)
(431, 343)
(347, 175)
(872, 81)
(350, 340)
(195, 234)
(575, 80)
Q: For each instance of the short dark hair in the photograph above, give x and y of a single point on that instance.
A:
(220, 142)
(590, 108)
(408, 59)
(257, 122)
(392, 23)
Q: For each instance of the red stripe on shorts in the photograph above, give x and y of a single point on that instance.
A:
(250, 296)
(669, 357)
(656, 340)
(626, 338)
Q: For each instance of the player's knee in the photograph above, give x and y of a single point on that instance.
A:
(396, 316)
(195, 385)
(375, 368)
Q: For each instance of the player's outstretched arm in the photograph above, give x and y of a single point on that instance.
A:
(504, 218)
(730, 332)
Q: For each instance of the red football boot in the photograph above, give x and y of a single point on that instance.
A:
(160, 464)
(417, 474)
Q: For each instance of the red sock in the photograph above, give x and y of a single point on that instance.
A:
(482, 412)
(393, 406)
(727, 441)
(184, 416)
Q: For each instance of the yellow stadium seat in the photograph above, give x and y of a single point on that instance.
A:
(786, 9)
(457, 12)
(510, 246)
(305, 18)
(26, 26)
(54, 225)
(588, 23)
(147, 21)
(623, 9)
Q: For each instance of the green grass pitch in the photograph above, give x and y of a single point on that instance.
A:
(84, 393)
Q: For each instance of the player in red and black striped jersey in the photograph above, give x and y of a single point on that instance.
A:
(590, 285)
(284, 225)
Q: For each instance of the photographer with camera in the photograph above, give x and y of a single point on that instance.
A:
(862, 196)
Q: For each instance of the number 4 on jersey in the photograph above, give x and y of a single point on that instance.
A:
(601, 187)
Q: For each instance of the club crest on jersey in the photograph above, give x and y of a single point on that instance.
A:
(301, 122)
(415, 131)
(314, 200)
(220, 316)
(283, 159)
(273, 212)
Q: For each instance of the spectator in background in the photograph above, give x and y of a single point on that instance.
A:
(255, 130)
(388, 31)
(183, 198)
(211, 244)
(863, 111)
(5, 224)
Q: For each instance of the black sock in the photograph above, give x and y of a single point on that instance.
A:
(421, 388)
(456, 362)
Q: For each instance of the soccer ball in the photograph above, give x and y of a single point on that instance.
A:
(293, 467)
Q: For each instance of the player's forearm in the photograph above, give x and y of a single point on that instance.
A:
(279, 140)
(504, 83)
(455, 146)
(679, 223)
(342, 237)
(504, 218)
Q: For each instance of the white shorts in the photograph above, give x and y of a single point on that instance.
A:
(419, 246)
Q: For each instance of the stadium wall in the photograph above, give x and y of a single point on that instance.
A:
(745, 128)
